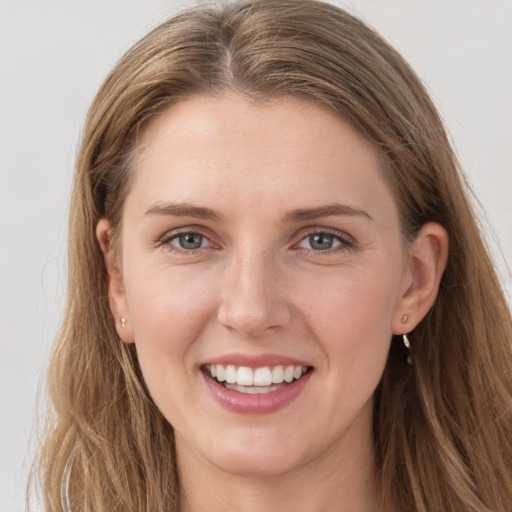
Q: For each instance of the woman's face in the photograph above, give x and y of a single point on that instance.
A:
(258, 238)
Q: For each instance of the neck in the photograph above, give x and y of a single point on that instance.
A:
(341, 480)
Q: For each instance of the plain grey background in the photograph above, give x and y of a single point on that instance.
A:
(53, 57)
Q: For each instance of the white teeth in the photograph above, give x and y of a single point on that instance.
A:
(231, 374)
(263, 377)
(252, 390)
(288, 373)
(278, 374)
(221, 373)
(244, 376)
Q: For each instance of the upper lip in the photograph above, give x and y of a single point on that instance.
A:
(255, 361)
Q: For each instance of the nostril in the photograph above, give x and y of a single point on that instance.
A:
(251, 320)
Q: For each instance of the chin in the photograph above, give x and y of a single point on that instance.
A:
(261, 466)
(254, 458)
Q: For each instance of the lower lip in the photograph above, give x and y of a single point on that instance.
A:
(264, 403)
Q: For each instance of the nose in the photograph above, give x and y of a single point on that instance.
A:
(253, 301)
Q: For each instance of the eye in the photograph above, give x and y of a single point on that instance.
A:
(188, 241)
(321, 241)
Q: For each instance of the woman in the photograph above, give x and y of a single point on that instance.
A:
(279, 298)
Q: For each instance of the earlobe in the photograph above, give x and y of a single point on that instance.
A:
(428, 257)
(116, 292)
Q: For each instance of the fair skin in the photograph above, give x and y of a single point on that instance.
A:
(264, 235)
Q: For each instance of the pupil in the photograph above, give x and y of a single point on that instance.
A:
(191, 240)
(321, 241)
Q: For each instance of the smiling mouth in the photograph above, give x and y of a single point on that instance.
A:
(265, 379)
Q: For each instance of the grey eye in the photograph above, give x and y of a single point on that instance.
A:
(188, 241)
(321, 241)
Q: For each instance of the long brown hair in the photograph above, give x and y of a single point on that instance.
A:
(443, 427)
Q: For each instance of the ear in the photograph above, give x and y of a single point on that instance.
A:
(428, 256)
(116, 292)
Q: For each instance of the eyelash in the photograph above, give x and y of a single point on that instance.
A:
(344, 243)
(166, 240)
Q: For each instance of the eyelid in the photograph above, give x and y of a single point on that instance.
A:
(171, 234)
(347, 242)
(337, 241)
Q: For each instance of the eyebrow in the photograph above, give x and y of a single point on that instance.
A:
(329, 210)
(183, 210)
(297, 215)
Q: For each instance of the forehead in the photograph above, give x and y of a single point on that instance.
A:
(224, 147)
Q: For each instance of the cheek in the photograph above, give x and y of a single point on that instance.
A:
(169, 309)
(169, 306)
(350, 301)
(350, 314)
